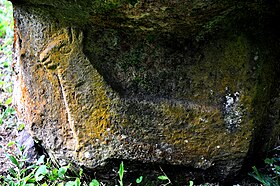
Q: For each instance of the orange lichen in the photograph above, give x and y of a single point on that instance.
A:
(99, 122)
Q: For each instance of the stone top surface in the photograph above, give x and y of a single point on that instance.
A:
(179, 16)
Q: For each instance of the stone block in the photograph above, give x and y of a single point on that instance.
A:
(179, 83)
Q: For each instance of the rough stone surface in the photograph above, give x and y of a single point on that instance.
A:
(30, 152)
(187, 83)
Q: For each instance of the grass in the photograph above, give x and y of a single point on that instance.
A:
(40, 172)
(270, 174)
(43, 172)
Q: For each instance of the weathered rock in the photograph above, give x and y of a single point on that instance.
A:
(168, 82)
(29, 148)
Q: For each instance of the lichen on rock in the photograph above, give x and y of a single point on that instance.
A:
(163, 82)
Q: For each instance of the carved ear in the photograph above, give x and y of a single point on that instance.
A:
(56, 44)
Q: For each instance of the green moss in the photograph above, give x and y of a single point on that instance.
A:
(266, 93)
(204, 134)
(225, 66)
(235, 62)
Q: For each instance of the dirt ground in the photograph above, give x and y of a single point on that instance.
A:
(8, 119)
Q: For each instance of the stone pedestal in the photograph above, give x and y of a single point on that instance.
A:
(191, 84)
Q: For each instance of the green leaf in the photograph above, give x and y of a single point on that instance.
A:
(21, 127)
(13, 160)
(41, 172)
(94, 182)
(277, 168)
(6, 64)
(45, 184)
(191, 183)
(20, 147)
(121, 171)
(77, 182)
(31, 180)
(139, 180)
(10, 111)
(9, 101)
(11, 143)
(40, 160)
(163, 178)
(13, 172)
(269, 161)
(81, 172)
(266, 180)
(54, 174)
(55, 171)
(62, 171)
(70, 183)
